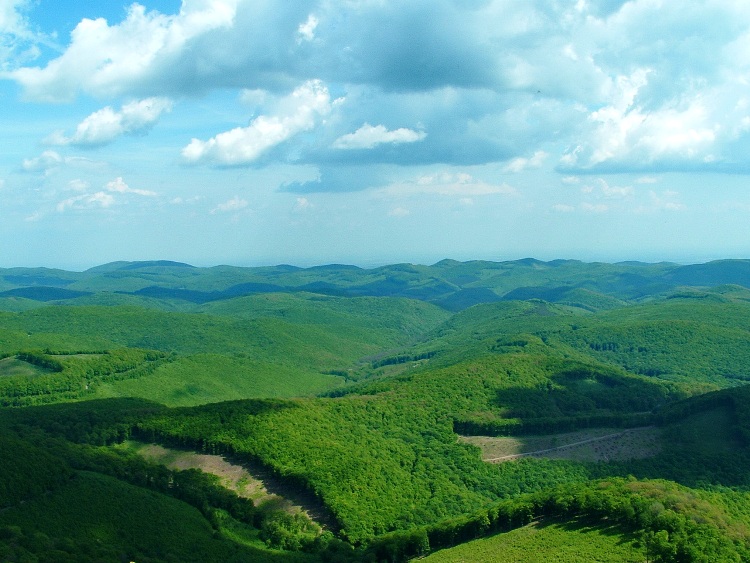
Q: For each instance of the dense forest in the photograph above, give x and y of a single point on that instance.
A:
(154, 411)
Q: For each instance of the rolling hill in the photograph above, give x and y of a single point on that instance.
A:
(350, 387)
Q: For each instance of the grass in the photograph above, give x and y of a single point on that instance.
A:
(12, 366)
(573, 542)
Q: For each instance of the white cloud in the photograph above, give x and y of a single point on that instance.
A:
(520, 164)
(306, 31)
(688, 128)
(367, 137)
(109, 60)
(594, 207)
(11, 20)
(47, 160)
(118, 185)
(646, 180)
(665, 201)
(51, 160)
(299, 112)
(87, 201)
(399, 212)
(563, 208)
(105, 125)
(459, 185)
(105, 198)
(78, 185)
(302, 204)
(234, 204)
(614, 192)
(16, 37)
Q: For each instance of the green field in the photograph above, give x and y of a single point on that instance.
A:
(569, 542)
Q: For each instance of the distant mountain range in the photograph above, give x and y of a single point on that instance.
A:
(450, 284)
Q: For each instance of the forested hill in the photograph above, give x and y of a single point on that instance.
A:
(450, 284)
(483, 411)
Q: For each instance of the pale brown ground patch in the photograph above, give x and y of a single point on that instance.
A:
(600, 444)
(246, 480)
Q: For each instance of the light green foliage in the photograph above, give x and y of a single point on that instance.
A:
(570, 542)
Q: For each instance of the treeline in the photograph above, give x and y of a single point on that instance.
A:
(402, 359)
(673, 524)
(550, 425)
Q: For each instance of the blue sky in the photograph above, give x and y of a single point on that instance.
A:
(256, 132)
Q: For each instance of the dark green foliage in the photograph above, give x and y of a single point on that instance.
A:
(98, 518)
(27, 471)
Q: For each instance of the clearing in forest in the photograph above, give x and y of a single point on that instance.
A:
(12, 366)
(246, 480)
(570, 542)
(599, 444)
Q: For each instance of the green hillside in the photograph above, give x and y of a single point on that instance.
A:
(568, 542)
(348, 390)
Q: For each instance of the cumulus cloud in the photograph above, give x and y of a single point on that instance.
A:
(118, 185)
(234, 204)
(367, 137)
(43, 162)
(593, 86)
(520, 164)
(107, 60)
(11, 21)
(306, 31)
(16, 37)
(624, 132)
(300, 112)
(106, 125)
(87, 201)
(102, 199)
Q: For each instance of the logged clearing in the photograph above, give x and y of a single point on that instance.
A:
(599, 444)
(247, 481)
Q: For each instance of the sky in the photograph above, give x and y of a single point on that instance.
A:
(368, 132)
